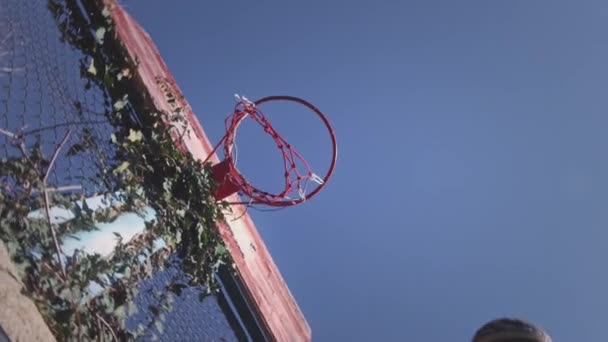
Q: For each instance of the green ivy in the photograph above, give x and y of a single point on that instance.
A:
(147, 170)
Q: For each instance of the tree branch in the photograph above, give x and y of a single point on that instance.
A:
(20, 139)
(9, 70)
(100, 333)
(47, 201)
(8, 134)
(54, 158)
(60, 189)
(107, 326)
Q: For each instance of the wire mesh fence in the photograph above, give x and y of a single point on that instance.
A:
(47, 101)
(43, 97)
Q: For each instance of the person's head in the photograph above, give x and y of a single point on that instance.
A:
(510, 330)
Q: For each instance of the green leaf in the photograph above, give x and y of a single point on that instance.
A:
(120, 312)
(120, 104)
(153, 310)
(99, 34)
(159, 327)
(134, 136)
(220, 250)
(122, 167)
(105, 12)
(76, 148)
(127, 272)
(86, 209)
(65, 293)
(92, 70)
(108, 303)
(177, 288)
(132, 309)
(124, 73)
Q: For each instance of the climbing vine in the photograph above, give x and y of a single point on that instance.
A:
(88, 296)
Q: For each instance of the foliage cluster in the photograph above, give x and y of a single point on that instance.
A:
(147, 169)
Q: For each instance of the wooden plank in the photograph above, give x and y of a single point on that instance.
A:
(258, 272)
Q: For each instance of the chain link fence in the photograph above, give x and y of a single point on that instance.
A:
(45, 101)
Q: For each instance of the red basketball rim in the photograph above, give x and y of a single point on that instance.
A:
(283, 203)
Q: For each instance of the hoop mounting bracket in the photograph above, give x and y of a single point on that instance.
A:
(226, 184)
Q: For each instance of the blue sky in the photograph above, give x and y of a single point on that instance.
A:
(472, 179)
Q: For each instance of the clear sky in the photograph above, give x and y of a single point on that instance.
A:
(472, 179)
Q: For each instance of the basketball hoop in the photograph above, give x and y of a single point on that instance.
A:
(299, 176)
